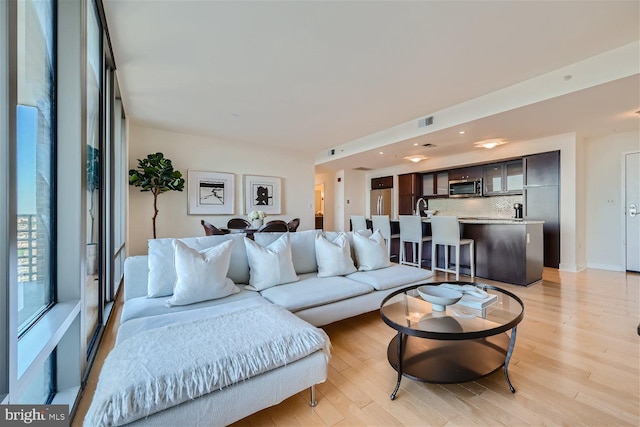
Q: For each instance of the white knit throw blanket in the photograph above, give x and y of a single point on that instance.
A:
(166, 366)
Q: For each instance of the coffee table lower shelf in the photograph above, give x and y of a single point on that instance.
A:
(449, 361)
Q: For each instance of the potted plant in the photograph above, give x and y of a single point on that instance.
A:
(155, 174)
(93, 184)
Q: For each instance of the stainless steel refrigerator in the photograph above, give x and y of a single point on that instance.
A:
(381, 202)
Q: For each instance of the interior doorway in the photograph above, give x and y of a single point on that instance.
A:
(632, 211)
(319, 206)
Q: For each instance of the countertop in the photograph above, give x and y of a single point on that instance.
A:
(484, 220)
(496, 221)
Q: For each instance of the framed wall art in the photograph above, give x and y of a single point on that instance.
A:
(263, 193)
(210, 193)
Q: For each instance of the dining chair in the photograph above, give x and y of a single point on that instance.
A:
(293, 224)
(411, 232)
(382, 223)
(275, 225)
(211, 230)
(238, 223)
(445, 231)
(358, 222)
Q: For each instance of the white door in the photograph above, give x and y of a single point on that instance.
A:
(632, 210)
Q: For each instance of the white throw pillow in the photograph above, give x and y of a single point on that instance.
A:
(162, 270)
(271, 265)
(201, 275)
(334, 258)
(303, 253)
(371, 252)
(333, 235)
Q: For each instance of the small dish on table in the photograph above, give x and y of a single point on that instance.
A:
(439, 297)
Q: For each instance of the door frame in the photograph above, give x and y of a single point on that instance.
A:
(623, 199)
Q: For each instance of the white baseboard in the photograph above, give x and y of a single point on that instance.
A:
(571, 268)
(610, 267)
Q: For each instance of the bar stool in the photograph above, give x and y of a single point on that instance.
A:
(445, 231)
(358, 222)
(411, 232)
(382, 223)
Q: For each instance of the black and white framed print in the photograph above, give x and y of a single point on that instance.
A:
(263, 193)
(210, 193)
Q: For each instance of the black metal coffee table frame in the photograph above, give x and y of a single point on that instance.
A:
(451, 357)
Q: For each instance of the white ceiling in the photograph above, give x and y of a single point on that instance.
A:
(314, 75)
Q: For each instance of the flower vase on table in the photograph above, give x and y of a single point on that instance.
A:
(256, 218)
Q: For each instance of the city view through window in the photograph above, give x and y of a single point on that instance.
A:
(34, 204)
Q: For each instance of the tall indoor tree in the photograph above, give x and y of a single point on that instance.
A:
(155, 174)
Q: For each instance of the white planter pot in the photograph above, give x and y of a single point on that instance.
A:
(257, 223)
(92, 259)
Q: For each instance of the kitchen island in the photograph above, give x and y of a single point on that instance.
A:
(506, 250)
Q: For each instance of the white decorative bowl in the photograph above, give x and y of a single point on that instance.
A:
(429, 213)
(439, 297)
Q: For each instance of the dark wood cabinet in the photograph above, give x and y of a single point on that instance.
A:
(506, 252)
(503, 178)
(409, 190)
(382, 182)
(542, 169)
(542, 200)
(435, 184)
(471, 172)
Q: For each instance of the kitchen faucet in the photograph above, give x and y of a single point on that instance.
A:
(426, 205)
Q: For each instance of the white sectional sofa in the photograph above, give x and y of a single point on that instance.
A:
(316, 300)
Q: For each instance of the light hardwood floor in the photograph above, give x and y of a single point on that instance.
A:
(576, 362)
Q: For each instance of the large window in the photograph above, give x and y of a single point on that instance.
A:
(62, 207)
(35, 180)
(35, 159)
(95, 161)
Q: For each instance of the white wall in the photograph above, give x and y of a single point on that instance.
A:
(604, 191)
(356, 194)
(207, 154)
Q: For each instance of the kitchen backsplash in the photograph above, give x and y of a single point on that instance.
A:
(491, 207)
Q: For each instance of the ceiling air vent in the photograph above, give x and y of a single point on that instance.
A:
(362, 168)
(425, 122)
(429, 145)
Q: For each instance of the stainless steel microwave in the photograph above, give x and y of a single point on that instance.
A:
(465, 188)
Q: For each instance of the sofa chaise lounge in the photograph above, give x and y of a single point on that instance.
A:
(313, 300)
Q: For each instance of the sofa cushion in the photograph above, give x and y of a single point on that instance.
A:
(271, 265)
(162, 271)
(333, 235)
(201, 275)
(144, 307)
(303, 253)
(371, 252)
(312, 291)
(334, 258)
(391, 277)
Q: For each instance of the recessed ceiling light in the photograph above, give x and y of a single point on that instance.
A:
(416, 158)
(382, 152)
(415, 144)
(490, 143)
(461, 132)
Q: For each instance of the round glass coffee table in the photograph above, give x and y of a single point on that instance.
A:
(460, 344)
